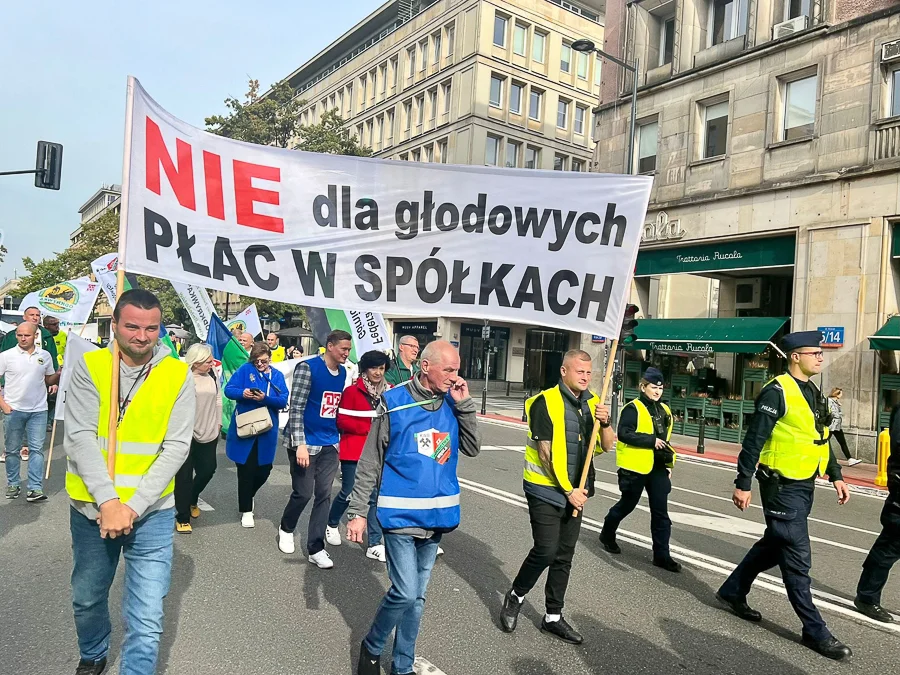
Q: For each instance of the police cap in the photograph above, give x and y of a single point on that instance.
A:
(653, 376)
(800, 339)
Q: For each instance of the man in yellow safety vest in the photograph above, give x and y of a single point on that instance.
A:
(133, 512)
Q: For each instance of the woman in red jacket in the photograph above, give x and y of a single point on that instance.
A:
(359, 404)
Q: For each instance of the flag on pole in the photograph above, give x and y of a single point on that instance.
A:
(197, 303)
(104, 269)
(367, 328)
(231, 354)
(76, 348)
(248, 321)
(69, 301)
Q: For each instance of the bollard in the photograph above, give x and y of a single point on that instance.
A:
(881, 457)
(508, 385)
(524, 414)
(700, 446)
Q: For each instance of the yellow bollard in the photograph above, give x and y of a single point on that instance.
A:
(881, 458)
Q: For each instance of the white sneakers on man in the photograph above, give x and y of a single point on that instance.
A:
(247, 519)
(854, 461)
(332, 536)
(322, 560)
(285, 541)
(376, 553)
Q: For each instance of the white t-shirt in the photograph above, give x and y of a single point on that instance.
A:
(26, 390)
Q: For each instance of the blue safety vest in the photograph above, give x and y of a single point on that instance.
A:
(320, 414)
(418, 483)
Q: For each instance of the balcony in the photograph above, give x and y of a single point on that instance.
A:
(887, 139)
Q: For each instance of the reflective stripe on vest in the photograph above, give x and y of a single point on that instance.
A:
(633, 458)
(418, 503)
(791, 449)
(143, 427)
(534, 471)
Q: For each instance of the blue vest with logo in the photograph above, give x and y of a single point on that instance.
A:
(320, 414)
(418, 483)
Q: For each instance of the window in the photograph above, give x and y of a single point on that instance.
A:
(727, 20)
(380, 131)
(411, 57)
(795, 8)
(715, 129)
(895, 93)
(515, 98)
(582, 65)
(560, 162)
(416, 155)
(429, 153)
(363, 88)
(666, 41)
(799, 109)
(451, 38)
(395, 67)
(532, 157)
(534, 104)
(578, 165)
(390, 126)
(520, 33)
(442, 151)
(579, 119)
(404, 157)
(491, 150)
(446, 94)
(496, 91)
(565, 58)
(538, 43)
(436, 39)
(407, 114)
(500, 30)
(432, 104)
(370, 135)
(647, 142)
(562, 114)
(383, 75)
(597, 70)
(512, 154)
(423, 54)
(420, 113)
(373, 75)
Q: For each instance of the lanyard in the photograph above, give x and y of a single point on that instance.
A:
(123, 404)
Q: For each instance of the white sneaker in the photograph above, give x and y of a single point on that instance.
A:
(247, 519)
(322, 560)
(332, 536)
(2, 457)
(440, 551)
(854, 461)
(376, 553)
(285, 541)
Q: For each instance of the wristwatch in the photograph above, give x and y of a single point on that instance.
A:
(355, 515)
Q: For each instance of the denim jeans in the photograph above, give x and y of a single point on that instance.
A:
(409, 563)
(342, 501)
(30, 429)
(148, 569)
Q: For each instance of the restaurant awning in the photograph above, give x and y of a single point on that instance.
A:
(888, 336)
(750, 335)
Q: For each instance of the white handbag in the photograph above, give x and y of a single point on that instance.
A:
(253, 422)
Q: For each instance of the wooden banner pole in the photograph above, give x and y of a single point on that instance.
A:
(50, 451)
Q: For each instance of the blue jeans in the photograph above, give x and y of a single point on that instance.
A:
(409, 563)
(148, 569)
(25, 428)
(342, 501)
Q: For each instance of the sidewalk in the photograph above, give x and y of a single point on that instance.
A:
(508, 410)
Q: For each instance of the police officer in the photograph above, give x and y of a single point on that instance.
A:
(645, 460)
(886, 550)
(560, 423)
(788, 436)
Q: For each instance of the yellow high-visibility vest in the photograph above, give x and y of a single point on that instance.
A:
(278, 354)
(633, 458)
(796, 449)
(60, 340)
(143, 428)
(534, 470)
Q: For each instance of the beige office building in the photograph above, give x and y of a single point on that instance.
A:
(468, 82)
(772, 131)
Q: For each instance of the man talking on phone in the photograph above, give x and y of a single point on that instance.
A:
(414, 448)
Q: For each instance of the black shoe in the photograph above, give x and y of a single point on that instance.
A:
(90, 667)
(876, 612)
(831, 648)
(740, 607)
(562, 630)
(667, 564)
(369, 664)
(35, 496)
(609, 543)
(509, 613)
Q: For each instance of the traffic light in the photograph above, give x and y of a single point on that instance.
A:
(629, 323)
(48, 165)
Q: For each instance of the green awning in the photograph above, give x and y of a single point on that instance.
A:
(703, 336)
(888, 336)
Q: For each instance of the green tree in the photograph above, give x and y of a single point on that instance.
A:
(330, 136)
(270, 120)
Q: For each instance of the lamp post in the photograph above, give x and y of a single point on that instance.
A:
(588, 47)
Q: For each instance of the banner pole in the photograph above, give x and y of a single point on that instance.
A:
(50, 451)
(596, 430)
(120, 282)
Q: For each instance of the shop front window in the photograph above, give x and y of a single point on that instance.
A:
(544, 351)
(423, 331)
(472, 354)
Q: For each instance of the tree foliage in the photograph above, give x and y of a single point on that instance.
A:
(331, 137)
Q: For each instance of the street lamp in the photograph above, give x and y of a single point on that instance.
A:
(588, 47)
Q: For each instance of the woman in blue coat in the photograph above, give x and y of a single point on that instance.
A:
(254, 385)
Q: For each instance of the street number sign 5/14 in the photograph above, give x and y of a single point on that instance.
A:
(832, 336)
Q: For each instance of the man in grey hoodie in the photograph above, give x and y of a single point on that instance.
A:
(133, 513)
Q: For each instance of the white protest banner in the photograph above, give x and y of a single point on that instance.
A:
(196, 301)
(248, 321)
(69, 301)
(104, 268)
(76, 348)
(552, 248)
(369, 331)
(7, 327)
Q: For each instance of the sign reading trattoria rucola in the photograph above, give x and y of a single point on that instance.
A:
(741, 254)
(684, 347)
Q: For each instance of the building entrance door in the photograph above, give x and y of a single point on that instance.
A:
(544, 351)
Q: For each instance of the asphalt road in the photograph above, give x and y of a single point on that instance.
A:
(239, 606)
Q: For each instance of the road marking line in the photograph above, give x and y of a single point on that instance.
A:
(832, 602)
(423, 666)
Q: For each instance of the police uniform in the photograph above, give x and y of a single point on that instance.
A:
(644, 467)
(788, 437)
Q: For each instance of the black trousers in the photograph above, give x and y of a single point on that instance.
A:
(555, 533)
(631, 485)
(785, 543)
(193, 476)
(311, 482)
(885, 552)
(838, 434)
(251, 477)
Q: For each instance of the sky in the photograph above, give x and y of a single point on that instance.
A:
(64, 71)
